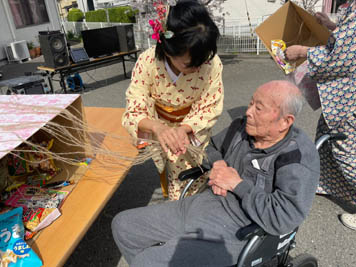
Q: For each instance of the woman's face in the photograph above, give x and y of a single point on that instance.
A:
(181, 64)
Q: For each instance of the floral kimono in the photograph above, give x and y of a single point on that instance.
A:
(194, 99)
(334, 68)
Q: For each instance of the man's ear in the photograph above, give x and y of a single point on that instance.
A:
(287, 122)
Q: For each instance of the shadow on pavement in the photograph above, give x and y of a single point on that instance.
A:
(229, 59)
(97, 84)
(346, 206)
(97, 248)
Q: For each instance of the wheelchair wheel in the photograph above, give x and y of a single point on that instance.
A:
(303, 260)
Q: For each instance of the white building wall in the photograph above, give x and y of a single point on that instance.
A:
(9, 33)
(6, 35)
(238, 9)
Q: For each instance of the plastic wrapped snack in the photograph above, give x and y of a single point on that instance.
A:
(277, 48)
(40, 205)
(18, 165)
(13, 249)
(31, 165)
(42, 162)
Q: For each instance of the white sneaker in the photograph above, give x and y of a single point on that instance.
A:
(349, 220)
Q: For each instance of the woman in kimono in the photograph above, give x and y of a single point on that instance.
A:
(176, 90)
(333, 67)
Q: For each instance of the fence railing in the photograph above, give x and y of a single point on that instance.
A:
(237, 36)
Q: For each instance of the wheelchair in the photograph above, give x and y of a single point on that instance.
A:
(263, 249)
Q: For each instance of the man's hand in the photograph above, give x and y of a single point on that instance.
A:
(223, 178)
(219, 191)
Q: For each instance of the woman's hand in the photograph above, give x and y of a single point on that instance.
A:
(324, 19)
(172, 138)
(295, 52)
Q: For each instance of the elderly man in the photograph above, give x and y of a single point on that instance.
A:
(264, 170)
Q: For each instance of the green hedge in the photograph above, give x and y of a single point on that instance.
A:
(75, 14)
(123, 14)
(96, 16)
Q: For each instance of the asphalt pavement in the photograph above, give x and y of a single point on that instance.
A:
(321, 235)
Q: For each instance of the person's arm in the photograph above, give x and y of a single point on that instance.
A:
(287, 206)
(335, 60)
(139, 113)
(324, 19)
(220, 143)
(138, 100)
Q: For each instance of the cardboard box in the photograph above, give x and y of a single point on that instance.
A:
(21, 109)
(294, 26)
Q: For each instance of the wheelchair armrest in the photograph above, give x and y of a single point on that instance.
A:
(193, 173)
(249, 231)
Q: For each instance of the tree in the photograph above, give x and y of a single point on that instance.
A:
(147, 11)
(308, 5)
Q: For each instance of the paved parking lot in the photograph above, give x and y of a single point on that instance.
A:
(321, 235)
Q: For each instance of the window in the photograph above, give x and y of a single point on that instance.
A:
(28, 12)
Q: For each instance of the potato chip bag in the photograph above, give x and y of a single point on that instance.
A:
(14, 251)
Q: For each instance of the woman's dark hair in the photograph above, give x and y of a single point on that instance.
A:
(194, 32)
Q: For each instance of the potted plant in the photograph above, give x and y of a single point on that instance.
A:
(31, 49)
(38, 51)
(38, 48)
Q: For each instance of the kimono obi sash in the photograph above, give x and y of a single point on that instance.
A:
(169, 114)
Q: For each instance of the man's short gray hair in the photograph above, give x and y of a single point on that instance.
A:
(292, 104)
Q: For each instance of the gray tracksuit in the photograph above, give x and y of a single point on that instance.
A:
(279, 182)
(277, 191)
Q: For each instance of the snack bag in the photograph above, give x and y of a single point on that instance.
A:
(41, 218)
(278, 47)
(40, 205)
(42, 162)
(13, 249)
(31, 166)
(18, 165)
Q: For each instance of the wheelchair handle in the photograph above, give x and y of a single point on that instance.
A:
(193, 173)
(250, 230)
(337, 136)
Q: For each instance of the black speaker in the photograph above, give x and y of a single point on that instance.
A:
(54, 49)
(126, 37)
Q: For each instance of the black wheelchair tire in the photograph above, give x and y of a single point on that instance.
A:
(304, 260)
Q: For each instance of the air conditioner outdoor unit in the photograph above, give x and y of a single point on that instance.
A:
(17, 51)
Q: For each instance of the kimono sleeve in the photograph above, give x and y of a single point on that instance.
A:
(334, 60)
(138, 104)
(205, 111)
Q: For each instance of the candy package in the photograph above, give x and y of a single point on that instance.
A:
(277, 48)
(31, 165)
(40, 205)
(13, 249)
(18, 164)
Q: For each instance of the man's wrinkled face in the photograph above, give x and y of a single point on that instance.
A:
(263, 115)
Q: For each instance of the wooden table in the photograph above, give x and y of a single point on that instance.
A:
(66, 71)
(56, 242)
